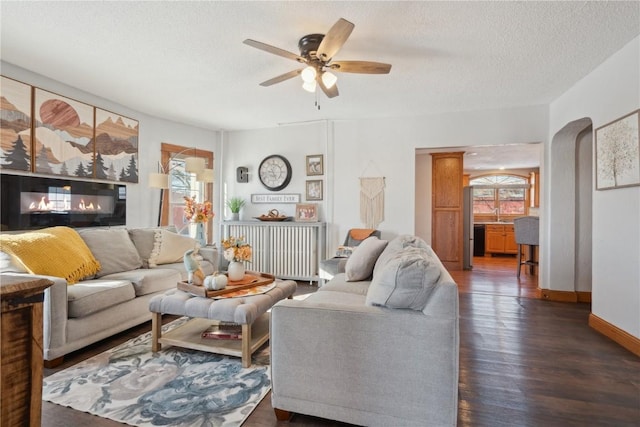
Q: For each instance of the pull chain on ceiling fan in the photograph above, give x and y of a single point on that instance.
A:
(317, 52)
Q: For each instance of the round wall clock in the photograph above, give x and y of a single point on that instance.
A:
(275, 172)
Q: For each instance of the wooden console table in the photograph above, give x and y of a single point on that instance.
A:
(21, 350)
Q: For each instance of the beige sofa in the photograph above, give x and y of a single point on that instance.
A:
(374, 351)
(136, 264)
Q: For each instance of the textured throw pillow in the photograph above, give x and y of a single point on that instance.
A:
(405, 281)
(360, 264)
(397, 245)
(170, 247)
(113, 249)
(143, 239)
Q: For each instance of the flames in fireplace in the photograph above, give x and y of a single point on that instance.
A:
(64, 202)
(62, 205)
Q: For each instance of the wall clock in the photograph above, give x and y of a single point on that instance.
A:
(275, 172)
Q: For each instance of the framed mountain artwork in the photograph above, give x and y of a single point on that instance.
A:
(63, 143)
(15, 132)
(116, 145)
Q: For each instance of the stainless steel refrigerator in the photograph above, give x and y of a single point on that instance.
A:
(467, 229)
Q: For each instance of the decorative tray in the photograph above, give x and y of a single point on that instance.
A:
(251, 279)
(273, 215)
(273, 218)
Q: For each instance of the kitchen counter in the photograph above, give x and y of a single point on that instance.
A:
(494, 223)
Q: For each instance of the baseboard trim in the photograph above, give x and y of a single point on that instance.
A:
(623, 338)
(563, 296)
(559, 296)
(583, 296)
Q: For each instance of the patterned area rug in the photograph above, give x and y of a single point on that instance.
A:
(173, 387)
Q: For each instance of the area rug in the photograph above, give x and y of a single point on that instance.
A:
(173, 387)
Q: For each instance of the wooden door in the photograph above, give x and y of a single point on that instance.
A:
(446, 224)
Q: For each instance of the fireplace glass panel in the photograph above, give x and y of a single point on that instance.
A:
(34, 202)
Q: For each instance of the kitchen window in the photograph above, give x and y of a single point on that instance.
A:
(499, 195)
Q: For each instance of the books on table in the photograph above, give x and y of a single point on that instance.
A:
(223, 331)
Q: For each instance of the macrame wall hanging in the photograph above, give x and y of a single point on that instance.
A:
(372, 201)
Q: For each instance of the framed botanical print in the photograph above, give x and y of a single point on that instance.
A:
(15, 133)
(315, 165)
(63, 143)
(618, 153)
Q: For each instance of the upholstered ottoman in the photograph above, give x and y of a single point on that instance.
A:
(252, 312)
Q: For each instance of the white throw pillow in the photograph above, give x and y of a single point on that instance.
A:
(170, 247)
(10, 265)
(360, 264)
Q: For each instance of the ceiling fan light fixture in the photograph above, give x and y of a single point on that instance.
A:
(309, 86)
(329, 79)
(309, 74)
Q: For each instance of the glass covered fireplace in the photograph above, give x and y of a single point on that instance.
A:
(30, 202)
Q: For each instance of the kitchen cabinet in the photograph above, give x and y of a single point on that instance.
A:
(446, 220)
(500, 239)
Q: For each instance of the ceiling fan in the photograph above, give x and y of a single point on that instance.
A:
(317, 52)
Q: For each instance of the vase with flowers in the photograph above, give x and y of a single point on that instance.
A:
(198, 214)
(236, 251)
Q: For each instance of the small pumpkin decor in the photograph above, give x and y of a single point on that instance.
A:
(215, 282)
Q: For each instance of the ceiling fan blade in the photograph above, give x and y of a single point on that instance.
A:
(362, 67)
(274, 50)
(331, 92)
(281, 78)
(334, 39)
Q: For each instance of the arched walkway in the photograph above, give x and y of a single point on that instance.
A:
(566, 223)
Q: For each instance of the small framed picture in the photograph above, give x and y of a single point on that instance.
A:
(306, 212)
(314, 190)
(315, 165)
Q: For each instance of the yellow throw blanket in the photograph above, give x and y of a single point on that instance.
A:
(55, 251)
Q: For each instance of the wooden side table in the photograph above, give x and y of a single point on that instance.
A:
(21, 350)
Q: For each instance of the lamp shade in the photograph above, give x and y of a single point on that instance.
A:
(194, 164)
(205, 176)
(158, 180)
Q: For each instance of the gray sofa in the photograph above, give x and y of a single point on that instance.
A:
(379, 351)
(136, 265)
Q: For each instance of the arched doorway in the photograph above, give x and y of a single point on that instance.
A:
(566, 226)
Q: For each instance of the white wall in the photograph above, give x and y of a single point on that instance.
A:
(391, 145)
(249, 148)
(375, 147)
(584, 210)
(142, 201)
(612, 90)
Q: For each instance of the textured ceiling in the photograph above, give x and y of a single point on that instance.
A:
(185, 61)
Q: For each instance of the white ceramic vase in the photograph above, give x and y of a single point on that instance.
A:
(235, 271)
(200, 235)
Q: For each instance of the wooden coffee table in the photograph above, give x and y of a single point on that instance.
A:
(252, 312)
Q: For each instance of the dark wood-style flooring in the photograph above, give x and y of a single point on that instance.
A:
(523, 361)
